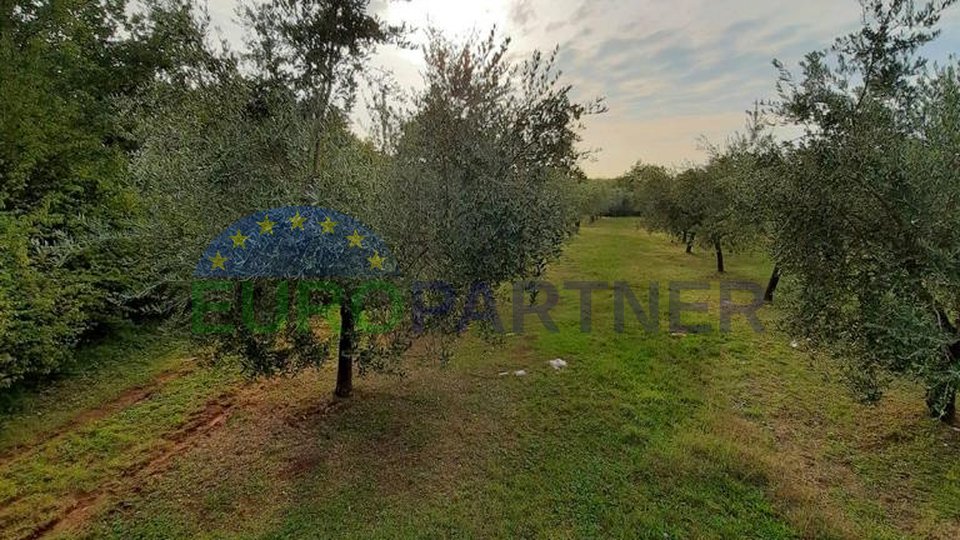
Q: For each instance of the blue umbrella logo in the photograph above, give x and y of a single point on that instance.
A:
(296, 242)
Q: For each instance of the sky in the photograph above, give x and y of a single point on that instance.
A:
(671, 72)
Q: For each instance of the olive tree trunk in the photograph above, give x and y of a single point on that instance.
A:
(719, 249)
(772, 284)
(950, 413)
(347, 350)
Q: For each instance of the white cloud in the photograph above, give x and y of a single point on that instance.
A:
(671, 71)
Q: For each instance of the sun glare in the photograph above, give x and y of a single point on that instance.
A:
(455, 19)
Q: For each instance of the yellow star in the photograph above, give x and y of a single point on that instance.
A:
(328, 225)
(355, 239)
(266, 226)
(217, 262)
(376, 261)
(296, 222)
(239, 240)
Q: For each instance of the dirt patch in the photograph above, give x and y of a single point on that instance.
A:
(127, 398)
(201, 424)
(212, 416)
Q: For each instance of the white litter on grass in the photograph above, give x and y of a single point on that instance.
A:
(519, 373)
(558, 363)
(794, 344)
(504, 373)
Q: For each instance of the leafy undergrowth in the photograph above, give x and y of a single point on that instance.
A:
(642, 435)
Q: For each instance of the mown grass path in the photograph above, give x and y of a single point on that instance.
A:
(643, 435)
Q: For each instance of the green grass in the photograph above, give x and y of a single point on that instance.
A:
(80, 435)
(101, 373)
(713, 435)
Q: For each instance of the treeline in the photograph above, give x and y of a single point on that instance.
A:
(714, 206)
(130, 139)
(860, 211)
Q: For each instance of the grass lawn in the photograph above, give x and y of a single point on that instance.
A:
(713, 435)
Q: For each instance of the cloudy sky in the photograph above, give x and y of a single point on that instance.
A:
(671, 72)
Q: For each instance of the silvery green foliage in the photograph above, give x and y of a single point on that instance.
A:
(480, 186)
(213, 154)
(865, 213)
(206, 159)
(484, 175)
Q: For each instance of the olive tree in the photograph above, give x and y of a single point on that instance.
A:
(632, 185)
(213, 155)
(671, 204)
(479, 188)
(865, 221)
(754, 160)
(274, 134)
(596, 198)
(485, 174)
(736, 209)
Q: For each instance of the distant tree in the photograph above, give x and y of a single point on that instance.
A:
(713, 205)
(597, 198)
(315, 48)
(632, 185)
(686, 208)
(671, 204)
(742, 171)
(866, 213)
(709, 211)
(718, 222)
